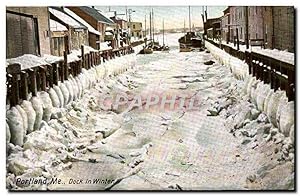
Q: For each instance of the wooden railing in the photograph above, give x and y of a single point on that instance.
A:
(271, 71)
(40, 78)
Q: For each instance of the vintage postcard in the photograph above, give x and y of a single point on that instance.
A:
(150, 98)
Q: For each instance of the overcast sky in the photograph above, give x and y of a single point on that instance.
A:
(173, 16)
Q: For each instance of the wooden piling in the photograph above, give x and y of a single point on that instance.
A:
(42, 72)
(33, 81)
(82, 56)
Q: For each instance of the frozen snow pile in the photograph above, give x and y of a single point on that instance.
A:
(27, 61)
(280, 112)
(275, 105)
(42, 138)
(238, 67)
(281, 55)
(28, 116)
(104, 46)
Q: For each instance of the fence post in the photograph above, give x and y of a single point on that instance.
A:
(55, 73)
(33, 84)
(61, 71)
(42, 72)
(82, 57)
(50, 75)
(291, 85)
(66, 67)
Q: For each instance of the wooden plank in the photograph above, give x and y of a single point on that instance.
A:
(24, 85)
(82, 56)
(55, 73)
(61, 71)
(13, 68)
(66, 66)
(49, 75)
(42, 73)
(33, 82)
(15, 98)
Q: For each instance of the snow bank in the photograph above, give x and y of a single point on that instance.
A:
(280, 112)
(27, 60)
(31, 116)
(238, 67)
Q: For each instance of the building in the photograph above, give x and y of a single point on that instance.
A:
(93, 17)
(136, 29)
(284, 28)
(212, 28)
(122, 24)
(270, 26)
(93, 35)
(77, 33)
(27, 31)
(59, 38)
(225, 25)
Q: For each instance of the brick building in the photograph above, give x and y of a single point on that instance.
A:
(59, 38)
(272, 26)
(284, 28)
(94, 18)
(27, 31)
(77, 32)
(94, 35)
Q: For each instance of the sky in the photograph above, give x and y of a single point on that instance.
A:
(173, 16)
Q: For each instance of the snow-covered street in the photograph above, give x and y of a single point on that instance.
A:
(224, 143)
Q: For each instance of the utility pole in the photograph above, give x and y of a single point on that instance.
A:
(153, 24)
(163, 32)
(150, 27)
(237, 39)
(247, 28)
(145, 25)
(190, 18)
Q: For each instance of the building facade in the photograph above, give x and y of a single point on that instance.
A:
(136, 29)
(273, 26)
(93, 17)
(28, 31)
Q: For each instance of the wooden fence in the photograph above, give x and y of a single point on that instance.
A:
(271, 71)
(40, 78)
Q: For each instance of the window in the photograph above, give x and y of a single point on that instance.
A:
(133, 26)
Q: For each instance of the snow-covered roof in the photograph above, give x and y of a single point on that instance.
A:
(56, 26)
(108, 33)
(78, 18)
(109, 29)
(65, 18)
(104, 46)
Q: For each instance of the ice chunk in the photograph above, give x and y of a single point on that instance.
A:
(286, 121)
(60, 96)
(8, 136)
(70, 89)
(37, 105)
(24, 117)
(273, 106)
(31, 115)
(54, 98)
(47, 105)
(65, 93)
(15, 122)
